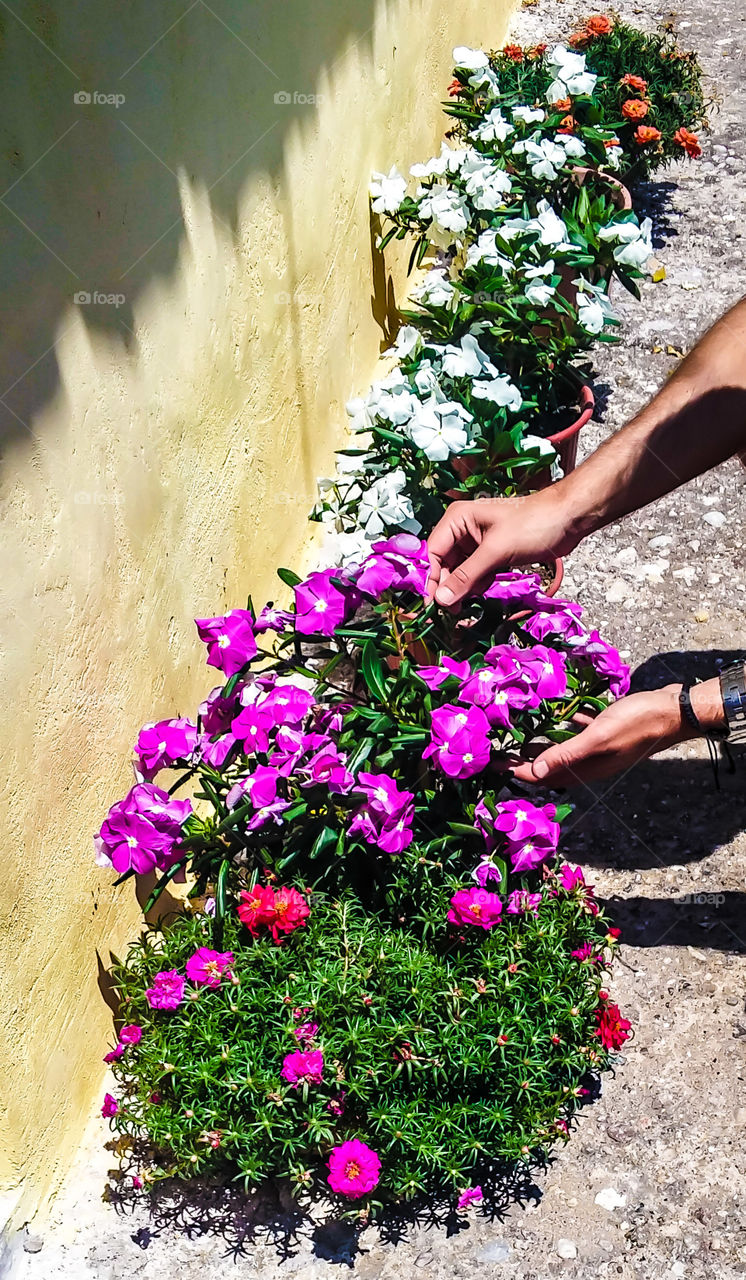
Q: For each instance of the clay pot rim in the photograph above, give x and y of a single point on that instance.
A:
(586, 404)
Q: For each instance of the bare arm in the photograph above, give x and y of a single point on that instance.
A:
(697, 420)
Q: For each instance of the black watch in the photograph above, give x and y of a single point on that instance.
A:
(733, 690)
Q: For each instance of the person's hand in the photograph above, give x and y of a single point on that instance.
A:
(624, 733)
(474, 540)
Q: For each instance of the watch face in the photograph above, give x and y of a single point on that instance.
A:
(733, 689)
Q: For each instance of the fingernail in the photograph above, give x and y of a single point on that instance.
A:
(541, 769)
(444, 595)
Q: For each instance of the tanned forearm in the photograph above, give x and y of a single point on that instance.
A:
(695, 422)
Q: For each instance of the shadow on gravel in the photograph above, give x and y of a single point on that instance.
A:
(654, 200)
(270, 1216)
(667, 813)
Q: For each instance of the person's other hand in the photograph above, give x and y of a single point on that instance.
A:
(474, 540)
(624, 733)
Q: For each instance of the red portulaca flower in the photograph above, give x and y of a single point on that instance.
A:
(354, 1169)
(689, 141)
(281, 911)
(635, 83)
(635, 109)
(612, 1029)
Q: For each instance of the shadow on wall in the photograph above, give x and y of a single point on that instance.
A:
(103, 112)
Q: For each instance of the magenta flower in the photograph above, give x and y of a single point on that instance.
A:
(142, 831)
(167, 991)
(287, 703)
(605, 660)
(487, 689)
(217, 712)
(320, 606)
(303, 1067)
(472, 1195)
(163, 744)
(260, 789)
(131, 1034)
(354, 1169)
(521, 903)
(252, 726)
(293, 747)
(110, 1106)
(486, 870)
(271, 619)
(327, 767)
(230, 640)
(586, 952)
(434, 677)
(475, 906)
(215, 752)
(521, 588)
(306, 1031)
(519, 820)
(570, 877)
(400, 563)
(563, 622)
(459, 740)
(206, 967)
(385, 819)
(114, 1054)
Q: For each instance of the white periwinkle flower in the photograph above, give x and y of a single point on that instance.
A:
(529, 115)
(384, 503)
(494, 127)
(485, 249)
(537, 292)
(550, 226)
(614, 157)
(388, 190)
(408, 343)
(449, 161)
(590, 313)
(570, 75)
(500, 391)
(485, 182)
(635, 246)
(574, 147)
(468, 360)
(544, 157)
(439, 429)
(436, 290)
(448, 212)
(465, 59)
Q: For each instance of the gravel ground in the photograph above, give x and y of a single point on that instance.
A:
(651, 1183)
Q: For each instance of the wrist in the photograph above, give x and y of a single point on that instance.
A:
(573, 515)
(705, 714)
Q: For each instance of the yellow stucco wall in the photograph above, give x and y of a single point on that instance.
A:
(160, 451)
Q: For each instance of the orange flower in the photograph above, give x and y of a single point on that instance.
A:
(514, 52)
(635, 83)
(454, 88)
(599, 24)
(578, 39)
(562, 104)
(567, 125)
(614, 142)
(646, 133)
(538, 51)
(635, 109)
(689, 141)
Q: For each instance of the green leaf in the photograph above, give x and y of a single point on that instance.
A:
(373, 672)
(290, 578)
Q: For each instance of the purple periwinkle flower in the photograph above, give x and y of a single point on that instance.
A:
(320, 606)
(327, 766)
(230, 640)
(563, 622)
(400, 563)
(142, 831)
(164, 744)
(521, 902)
(605, 660)
(215, 751)
(260, 789)
(253, 726)
(385, 818)
(287, 703)
(519, 588)
(459, 740)
(434, 677)
(217, 711)
(271, 619)
(530, 831)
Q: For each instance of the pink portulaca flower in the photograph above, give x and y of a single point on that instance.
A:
(354, 1169)
(167, 991)
(320, 606)
(142, 831)
(459, 740)
(115, 1054)
(471, 1195)
(110, 1106)
(385, 819)
(475, 906)
(306, 1031)
(131, 1034)
(161, 745)
(400, 563)
(206, 968)
(230, 640)
(521, 903)
(303, 1067)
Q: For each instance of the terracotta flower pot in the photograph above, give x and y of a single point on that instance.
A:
(566, 441)
(619, 193)
(551, 590)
